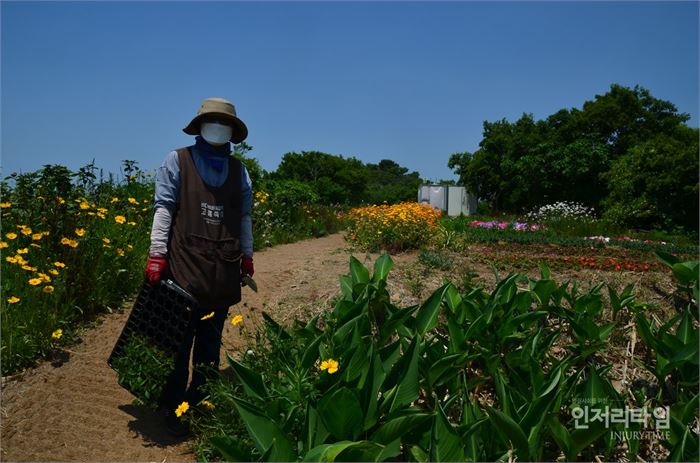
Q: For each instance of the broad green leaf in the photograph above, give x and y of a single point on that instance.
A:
(685, 332)
(252, 381)
(395, 321)
(264, 431)
(358, 272)
(311, 353)
(427, 316)
(510, 431)
(316, 432)
(229, 449)
(363, 451)
(686, 272)
(456, 333)
(275, 327)
(445, 445)
(452, 299)
(370, 390)
(382, 267)
(346, 287)
(561, 436)
(406, 376)
(666, 258)
(582, 438)
(544, 271)
(543, 289)
(341, 413)
(450, 364)
(397, 427)
(418, 454)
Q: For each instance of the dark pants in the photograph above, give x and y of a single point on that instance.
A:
(206, 336)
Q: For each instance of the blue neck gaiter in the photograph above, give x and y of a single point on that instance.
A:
(215, 156)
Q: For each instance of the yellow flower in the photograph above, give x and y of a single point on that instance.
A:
(3, 245)
(5, 205)
(209, 405)
(330, 365)
(80, 231)
(129, 247)
(28, 268)
(53, 272)
(44, 277)
(84, 205)
(26, 230)
(237, 319)
(182, 408)
(61, 200)
(68, 242)
(101, 210)
(35, 281)
(102, 216)
(37, 236)
(23, 251)
(120, 219)
(59, 264)
(120, 251)
(115, 200)
(11, 236)
(20, 260)
(57, 334)
(132, 223)
(48, 289)
(106, 240)
(13, 300)
(10, 259)
(207, 316)
(132, 200)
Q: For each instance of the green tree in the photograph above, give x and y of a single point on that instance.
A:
(655, 184)
(391, 183)
(335, 179)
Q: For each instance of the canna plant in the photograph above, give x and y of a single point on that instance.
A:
(460, 377)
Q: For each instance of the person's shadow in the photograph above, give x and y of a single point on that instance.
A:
(150, 426)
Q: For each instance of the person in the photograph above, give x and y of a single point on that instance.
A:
(202, 239)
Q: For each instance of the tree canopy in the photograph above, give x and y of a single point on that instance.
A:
(617, 147)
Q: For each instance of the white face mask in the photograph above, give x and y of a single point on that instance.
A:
(216, 134)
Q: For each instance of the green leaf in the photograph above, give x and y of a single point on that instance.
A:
(252, 381)
(346, 287)
(264, 432)
(311, 353)
(544, 271)
(358, 272)
(543, 289)
(686, 272)
(510, 431)
(397, 427)
(561, 436)
(316, 432)
(582, 438)
(406, 376)
(450, 364)
(341, 413)
(275, 327)
(427, 316)
(229, 449)
(445, 445)
(669, 260)
(382, 267)
(345, 451)
(685, 332)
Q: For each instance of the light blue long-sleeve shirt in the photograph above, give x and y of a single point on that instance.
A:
(167, 196)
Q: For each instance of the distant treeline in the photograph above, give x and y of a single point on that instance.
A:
(332, 179)
(627, 154)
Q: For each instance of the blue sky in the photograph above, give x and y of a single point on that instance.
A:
(408, 81)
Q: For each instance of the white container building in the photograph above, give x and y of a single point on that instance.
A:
(454, 200)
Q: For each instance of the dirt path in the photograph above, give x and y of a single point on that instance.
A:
(72, 409)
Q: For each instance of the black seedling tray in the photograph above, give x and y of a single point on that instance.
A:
(162, 314)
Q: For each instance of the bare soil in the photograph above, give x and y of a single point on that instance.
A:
(71, 408)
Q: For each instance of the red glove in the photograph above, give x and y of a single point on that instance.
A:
(155, 266)
(247, 266)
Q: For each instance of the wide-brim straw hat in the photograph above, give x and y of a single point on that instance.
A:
(223, 109)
